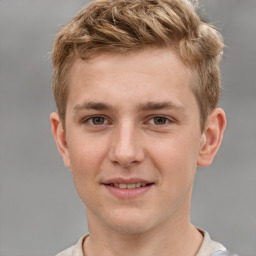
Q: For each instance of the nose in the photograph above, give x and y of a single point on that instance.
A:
(126, 148)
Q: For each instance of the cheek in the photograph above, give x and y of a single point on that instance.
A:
(86, 152)
(84, 166)
(175, 159)
(86, 158)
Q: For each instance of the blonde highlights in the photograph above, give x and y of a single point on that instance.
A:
(122, 26)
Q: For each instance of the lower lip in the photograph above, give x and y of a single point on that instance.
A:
(124, 193)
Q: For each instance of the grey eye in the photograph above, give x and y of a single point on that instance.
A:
(97, 120)
(160, 120)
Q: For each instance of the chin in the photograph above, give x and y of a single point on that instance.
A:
(130, 223)
(129, 228)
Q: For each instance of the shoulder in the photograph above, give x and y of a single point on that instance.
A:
(67, 252)
(75, 250)
(212, 248)
(208, 246)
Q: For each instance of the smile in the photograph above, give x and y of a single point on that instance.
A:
(129, 190)
(128, 186)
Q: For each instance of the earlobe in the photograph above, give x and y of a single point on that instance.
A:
(60, 137)
(211, 137)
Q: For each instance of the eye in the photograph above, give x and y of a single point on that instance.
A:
(96, 120)
(159, 120)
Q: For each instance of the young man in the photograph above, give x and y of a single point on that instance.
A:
(136, 85)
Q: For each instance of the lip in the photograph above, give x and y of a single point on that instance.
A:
(124, 193)
(126, 181)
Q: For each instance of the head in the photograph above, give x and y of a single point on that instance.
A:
(136, 85)
(126, 26)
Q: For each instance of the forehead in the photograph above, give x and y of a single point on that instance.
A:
(151, 57)
(145, 75)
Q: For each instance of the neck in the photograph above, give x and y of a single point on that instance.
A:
(174, 237)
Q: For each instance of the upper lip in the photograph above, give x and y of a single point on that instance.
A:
(126, 181)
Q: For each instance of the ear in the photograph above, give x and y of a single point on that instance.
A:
(211, 137)
(60, 137)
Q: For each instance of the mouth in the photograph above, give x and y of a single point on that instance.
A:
(124, 189)
(129, 186)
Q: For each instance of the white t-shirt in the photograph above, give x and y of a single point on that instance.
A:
(208, 247)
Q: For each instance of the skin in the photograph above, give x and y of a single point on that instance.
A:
(135, 116)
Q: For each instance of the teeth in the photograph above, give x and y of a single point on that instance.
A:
(122, 185)
(131, 185)
(128, 186)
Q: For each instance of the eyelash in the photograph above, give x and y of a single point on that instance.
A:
(165, 119)
(90, 120)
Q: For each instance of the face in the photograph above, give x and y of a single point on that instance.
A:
(132, 138)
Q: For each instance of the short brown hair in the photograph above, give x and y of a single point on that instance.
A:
(128, 25)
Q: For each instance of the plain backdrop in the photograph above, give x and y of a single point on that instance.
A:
(40, 212)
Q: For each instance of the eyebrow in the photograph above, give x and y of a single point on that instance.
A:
(149, 106)
(92, 106)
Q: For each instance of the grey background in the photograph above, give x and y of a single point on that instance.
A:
(40, 213)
